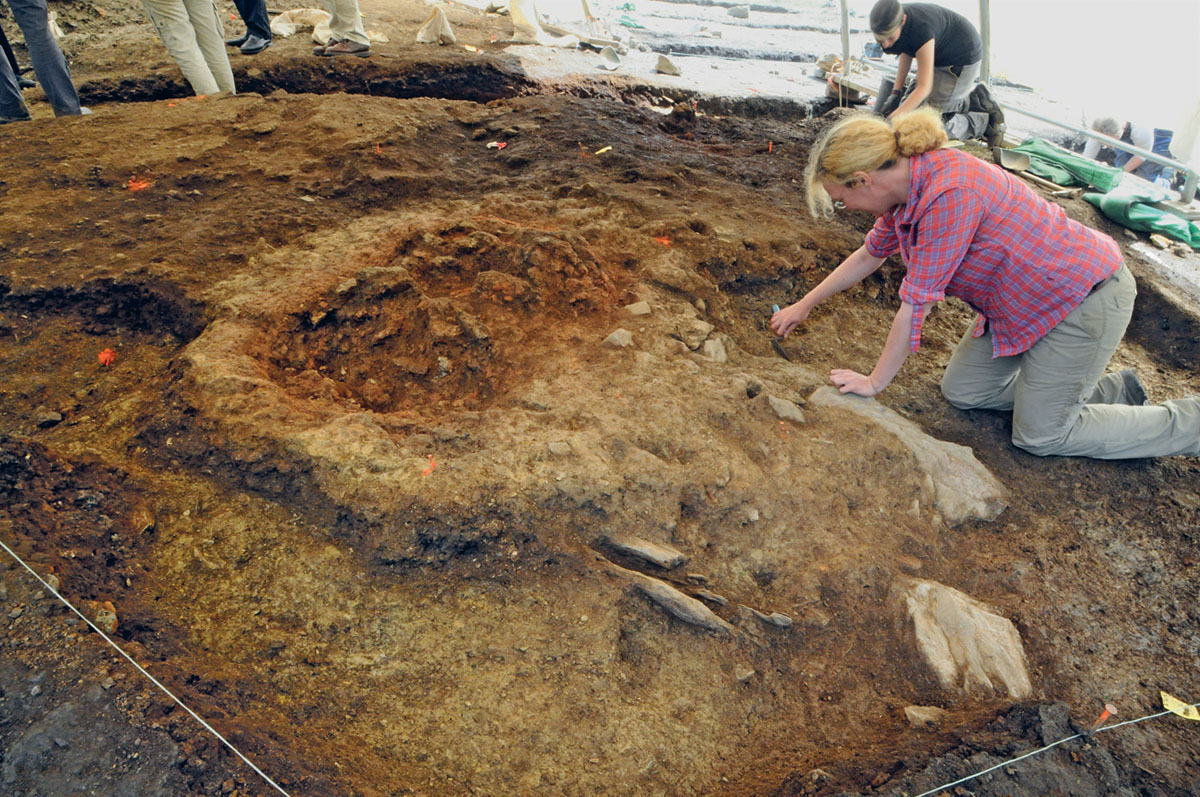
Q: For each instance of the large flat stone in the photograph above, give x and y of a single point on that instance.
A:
(960, 487)
(970, 648)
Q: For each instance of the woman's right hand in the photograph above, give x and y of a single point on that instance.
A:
(790, 317)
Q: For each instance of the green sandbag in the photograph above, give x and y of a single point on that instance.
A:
(1067, 168)
(1132, 211)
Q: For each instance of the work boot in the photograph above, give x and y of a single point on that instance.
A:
(1135, 391)
(239, 41)
(981, 100)
(345, 47)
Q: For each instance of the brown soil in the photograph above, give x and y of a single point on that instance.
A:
(316, 482)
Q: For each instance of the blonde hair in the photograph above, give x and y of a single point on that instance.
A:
(865, 142)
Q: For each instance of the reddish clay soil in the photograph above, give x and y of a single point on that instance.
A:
(348, 481)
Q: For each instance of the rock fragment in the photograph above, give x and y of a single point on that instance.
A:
(714, 349)
(787, 410)
(694, 332)
(682, 607)
(712, 597)
(969, 648)
(739, 12)
(664, 66)
(45, 417)
(559, 448)
(638, 308)
(924, 717)
(620, 338)
(663, 556)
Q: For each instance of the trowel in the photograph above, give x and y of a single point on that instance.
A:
(777, 343)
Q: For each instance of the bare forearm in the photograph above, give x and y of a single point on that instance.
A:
(1134, 162)
(895, 351)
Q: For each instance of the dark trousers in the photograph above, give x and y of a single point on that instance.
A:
(254, 14)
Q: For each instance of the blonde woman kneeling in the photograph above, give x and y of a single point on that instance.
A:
(1053, 296)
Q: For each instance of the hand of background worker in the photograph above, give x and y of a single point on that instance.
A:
(853, 382)
(790, 317)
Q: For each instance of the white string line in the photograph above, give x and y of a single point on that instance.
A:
(153, 680)
(1047, 747)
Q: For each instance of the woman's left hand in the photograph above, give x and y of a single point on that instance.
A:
(853, 382)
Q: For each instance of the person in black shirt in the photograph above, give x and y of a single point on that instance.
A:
(948, 53)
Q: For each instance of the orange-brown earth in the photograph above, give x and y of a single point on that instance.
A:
(349, 478)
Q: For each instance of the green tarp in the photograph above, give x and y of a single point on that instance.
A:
(1067, 168)
(1134, 212)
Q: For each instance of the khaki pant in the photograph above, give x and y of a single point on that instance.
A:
(192, 32)
(1062, 402)
(346, 23)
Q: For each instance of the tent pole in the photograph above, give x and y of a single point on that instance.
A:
(985, 33)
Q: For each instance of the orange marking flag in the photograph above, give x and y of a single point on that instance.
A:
(106, 357)
(432, 466)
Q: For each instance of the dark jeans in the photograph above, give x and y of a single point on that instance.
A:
(254, 14)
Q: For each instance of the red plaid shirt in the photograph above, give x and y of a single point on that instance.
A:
(971, 230)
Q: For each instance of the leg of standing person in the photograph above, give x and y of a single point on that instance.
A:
(951, 95)
(12, 104)
(210, 40)
(348, 37)
(48, 60)
(258, 26)
(12, 61)
(1060, 373)
(174, 26)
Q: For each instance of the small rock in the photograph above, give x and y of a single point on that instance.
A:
(35, 691)
(1180, 249)
(3, 591)
(664, 556)
(666, 67)
(744, 674)
(697, 578)
(740, 12)
(694, 332)
(924, 717)
(714, 349)
(819, 776)
(107, 683)
(682, 607)
(787, 410)
(17, 612)
(752, 515)
(1129, 233)
(52, 581)
(103, 615)
(638, 308)
(559, 448)
(712, 597)
(776, 619)
(753, 388)
(142, 521)
(1160, 240)
(620, 339)
(45, 417)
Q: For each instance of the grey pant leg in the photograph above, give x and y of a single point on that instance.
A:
(48, 60)
(174, 25)
(1060, 374)
(976, 380)
(951, 95)
(210, 38)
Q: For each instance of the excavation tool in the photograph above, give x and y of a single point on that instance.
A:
(777, 343)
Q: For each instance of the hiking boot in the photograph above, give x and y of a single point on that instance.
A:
(981, 99)
(346, 47)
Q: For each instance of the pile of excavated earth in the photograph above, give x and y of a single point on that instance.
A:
(418, 464)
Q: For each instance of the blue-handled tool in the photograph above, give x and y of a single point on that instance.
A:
(777, 344)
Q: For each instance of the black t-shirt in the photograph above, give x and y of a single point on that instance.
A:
(957, 42)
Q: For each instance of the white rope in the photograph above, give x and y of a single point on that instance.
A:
(1044, 749)
(153, 680)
